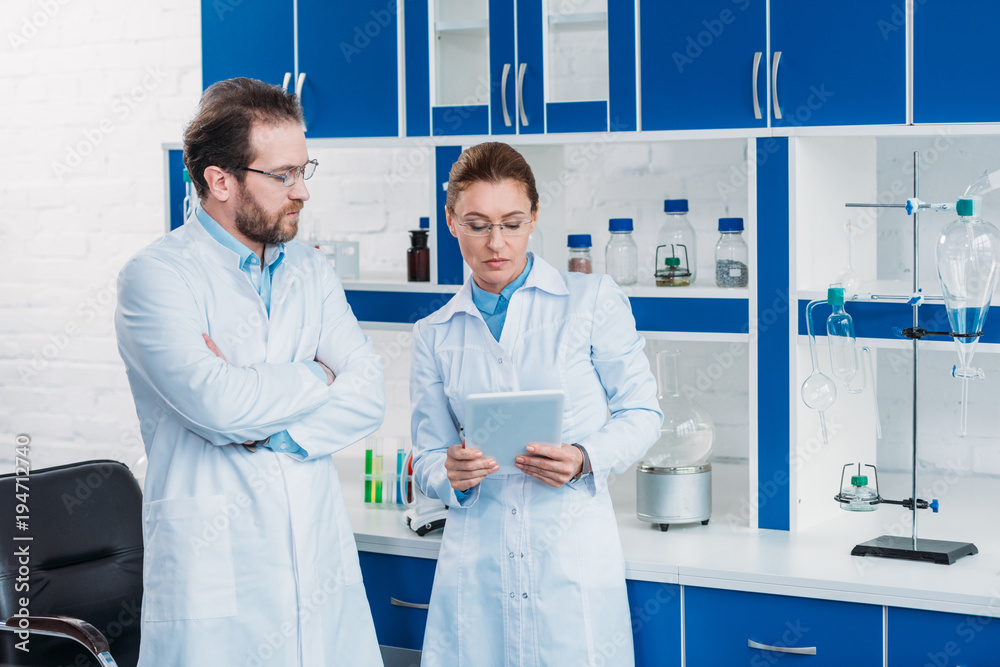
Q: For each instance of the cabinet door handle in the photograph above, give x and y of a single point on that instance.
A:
(409, 605)
(803, 650)
(299, 83)
(287, 80)
(503, 94)
(774, 84)
(756, 102)
(520, 96)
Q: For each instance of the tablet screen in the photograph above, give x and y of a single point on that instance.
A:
(503, 424)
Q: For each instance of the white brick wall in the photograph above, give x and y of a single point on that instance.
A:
(94, 88)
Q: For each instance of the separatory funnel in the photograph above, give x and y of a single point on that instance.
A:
(968, 257)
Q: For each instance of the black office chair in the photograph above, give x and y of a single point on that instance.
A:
(84, 561)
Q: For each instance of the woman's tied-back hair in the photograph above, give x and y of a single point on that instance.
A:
(490, 162)
(219, 135)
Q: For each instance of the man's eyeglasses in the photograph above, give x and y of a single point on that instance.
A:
(509, 228)
(290, 177)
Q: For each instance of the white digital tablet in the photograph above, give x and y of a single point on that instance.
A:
(503, 424)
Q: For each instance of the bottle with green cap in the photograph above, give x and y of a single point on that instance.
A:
(840, 337)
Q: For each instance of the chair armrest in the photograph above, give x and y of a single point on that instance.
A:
(67, 627)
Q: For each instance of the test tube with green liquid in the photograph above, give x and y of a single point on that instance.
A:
(377, 470)
(368, 472)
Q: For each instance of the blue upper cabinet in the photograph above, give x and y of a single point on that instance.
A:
(952, 46)
(348, 68)
(252, 38)
(837, 63)
(704, 64)
(507, 67)
(346, 72)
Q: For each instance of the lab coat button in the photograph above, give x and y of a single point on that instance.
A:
(511, 554)
(511, 595)
(513, 511)
(499, 360)
(524, 595)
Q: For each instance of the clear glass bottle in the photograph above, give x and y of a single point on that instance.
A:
(677, 230)
(687, 434)
(731, 254)
(621, 255)
(579, 253)
(840, 337)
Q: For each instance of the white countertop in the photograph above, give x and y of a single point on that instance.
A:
(814, 563)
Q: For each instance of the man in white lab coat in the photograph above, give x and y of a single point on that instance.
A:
(248, 370)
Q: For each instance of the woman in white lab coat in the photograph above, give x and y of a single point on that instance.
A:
(530, 571)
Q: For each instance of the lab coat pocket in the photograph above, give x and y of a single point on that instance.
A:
(188, 564)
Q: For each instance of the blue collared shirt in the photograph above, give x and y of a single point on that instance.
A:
(493, 307)
(261, 281)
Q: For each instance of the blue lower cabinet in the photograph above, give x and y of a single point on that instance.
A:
(937, 639)
(722, 627)
(405, 580)
(656, 623)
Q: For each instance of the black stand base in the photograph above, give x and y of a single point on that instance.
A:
(932, 551)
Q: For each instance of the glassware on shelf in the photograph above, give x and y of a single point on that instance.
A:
(848, 279)
(670, 272)
(840, 338)
(968, 258)
(687, 433)
(819, 391)
(731, 254)
(621, 255)
(579, 253)
(677, 231)
(418, 255)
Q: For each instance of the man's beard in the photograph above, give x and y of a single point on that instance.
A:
(254, 223)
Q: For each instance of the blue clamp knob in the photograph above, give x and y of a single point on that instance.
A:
(909, 207)
(934, 506)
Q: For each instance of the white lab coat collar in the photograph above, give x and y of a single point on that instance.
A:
(543, 276)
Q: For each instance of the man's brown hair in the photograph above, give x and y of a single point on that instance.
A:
(219, 135)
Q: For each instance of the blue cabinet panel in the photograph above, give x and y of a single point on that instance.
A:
(842, 633)
(773, 328)
(655, 610)
(953, 47)
(417, 68)
(577, 116)
(176, 184)
(450, 265)
(690, 315)
(406, 579)
(252, 38)
(501, 54)
(399, 307)
(942, 640)
(621, 66)
(529, 56)
(698, 64)
(459, 121)
(348, 51)
(839, 65)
